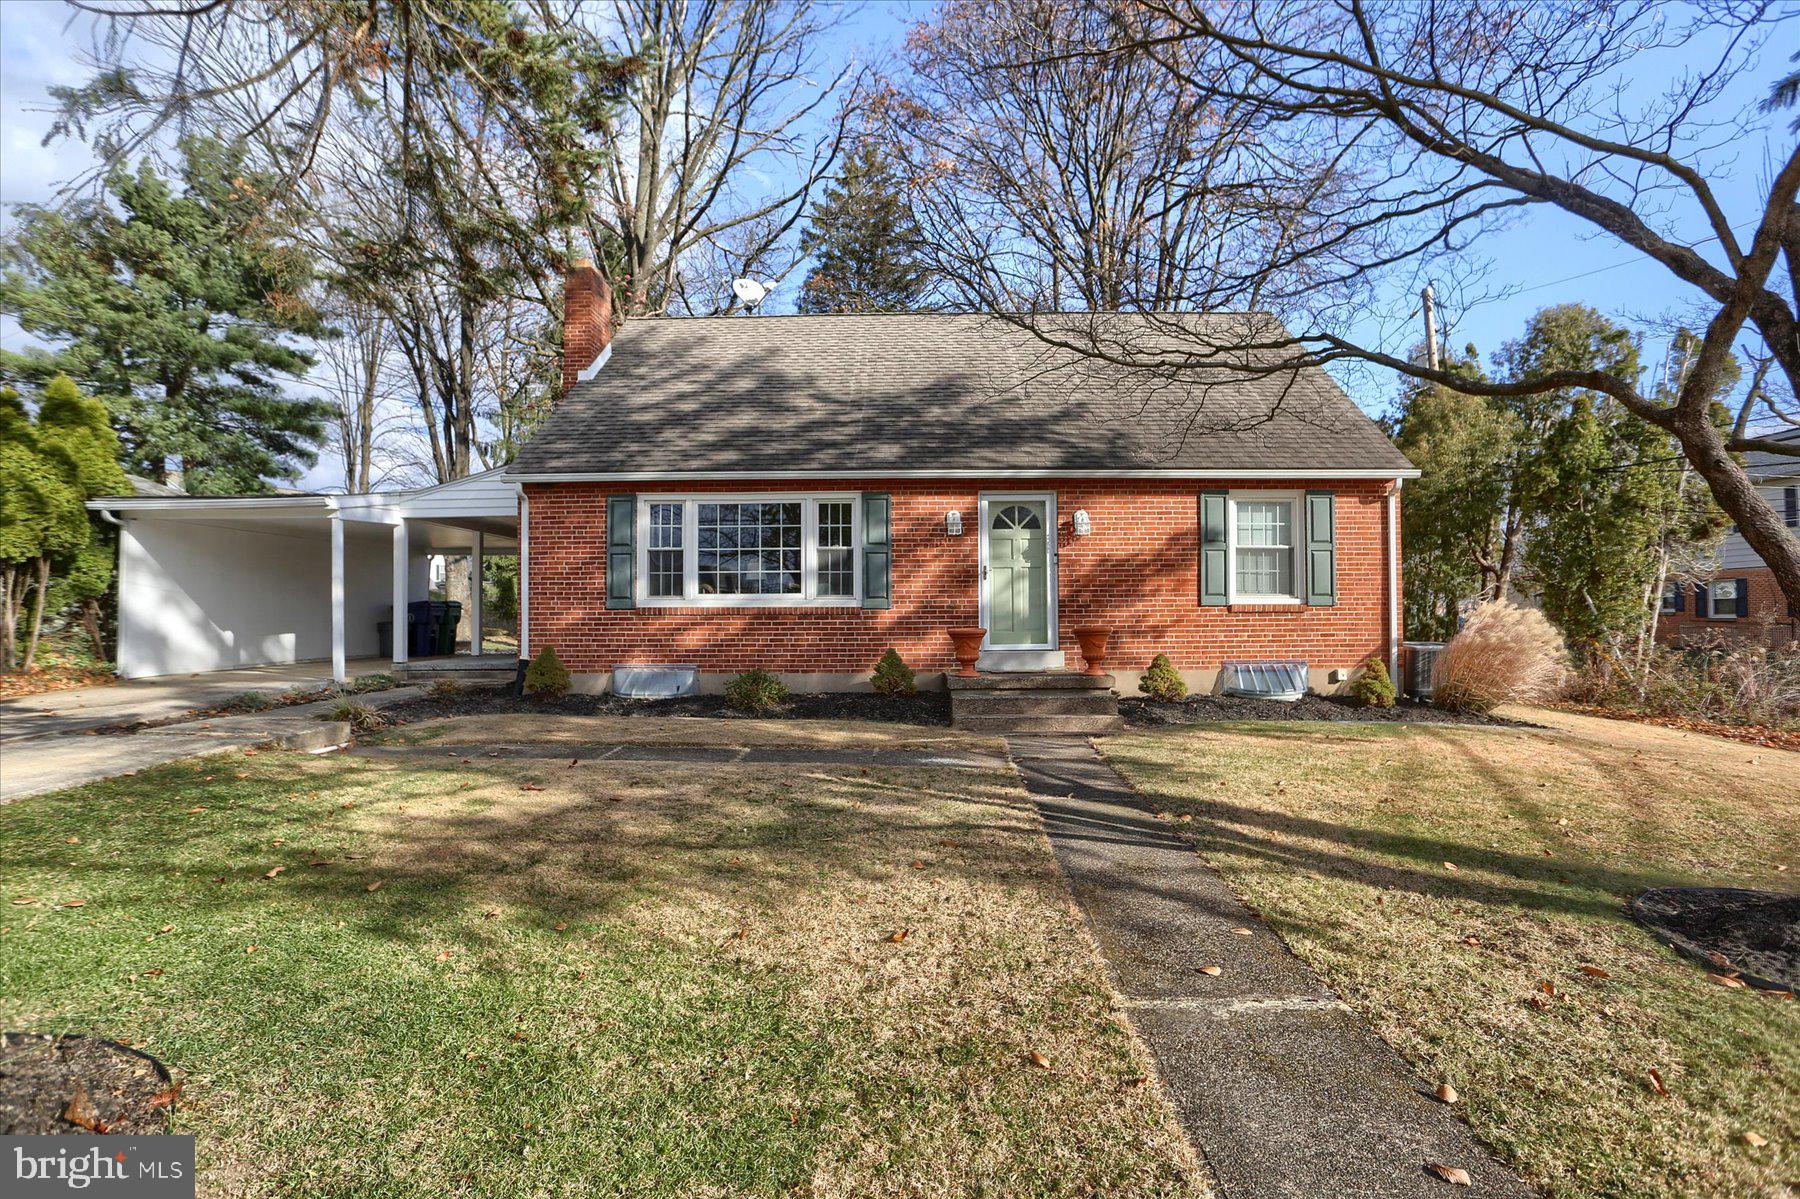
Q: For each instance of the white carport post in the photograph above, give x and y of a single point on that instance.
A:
(337, 598)
(402, 586)
(475, 597)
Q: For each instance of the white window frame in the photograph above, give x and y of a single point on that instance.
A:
(1670, 593)
(1297, 549)
(1712, 600)
(690, 551)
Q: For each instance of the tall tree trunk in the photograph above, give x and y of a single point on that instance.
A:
(10, 578)
(90, 621)
(37, 611)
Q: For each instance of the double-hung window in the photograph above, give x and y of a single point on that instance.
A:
(1671, 598)
(1721, 599)
(736, 551)
(1265, 532)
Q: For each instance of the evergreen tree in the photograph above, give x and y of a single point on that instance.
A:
(864, 239)
(51, 467)
(177, 306)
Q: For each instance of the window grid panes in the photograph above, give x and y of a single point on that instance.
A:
(1723, 597)
(837, 555)
(749, 549)
(1265, 548)
(666, 567)
(1670, 591)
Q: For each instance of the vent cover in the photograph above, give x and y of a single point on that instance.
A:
(1284, 681)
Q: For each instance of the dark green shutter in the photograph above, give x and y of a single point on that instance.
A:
(1700, 607)
(1321, 549)
(621, 551)
(1213, 557)
(878, 550)
(1743, 597)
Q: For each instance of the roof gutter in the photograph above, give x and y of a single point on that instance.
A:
(644, 476)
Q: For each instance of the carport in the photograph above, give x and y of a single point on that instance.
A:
(221, 583)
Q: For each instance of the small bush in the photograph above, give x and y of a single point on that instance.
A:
(1162, 681)
(1504, 654)
(364, 683)
(249, 701)
(893, 676)
(1373, 687)
(359, 716)
(755, 691)
(1715, 679)
(445, 689)
(547, 677)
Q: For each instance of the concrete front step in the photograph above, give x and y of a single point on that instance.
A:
(1037, 680)
(1035, 703)
(1073, 725)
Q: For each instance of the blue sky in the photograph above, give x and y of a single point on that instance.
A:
(1544, 258)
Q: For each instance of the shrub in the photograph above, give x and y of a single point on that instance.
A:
(445, 689)
(1373, 687)
(1162, 681)
(893, 676)
(371, 682)
(359, 716)
(547, 677)
(1504, 654)
(755, 690)
(249, 701)
(1717, 680)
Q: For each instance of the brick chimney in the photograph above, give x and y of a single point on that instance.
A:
(587, 319)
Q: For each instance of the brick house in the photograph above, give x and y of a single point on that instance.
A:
(799, 493)
(1738, 599)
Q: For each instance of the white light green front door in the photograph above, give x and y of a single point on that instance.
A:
(1018, 572)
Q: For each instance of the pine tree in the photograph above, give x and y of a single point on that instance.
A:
(865, 242)
(176, 306)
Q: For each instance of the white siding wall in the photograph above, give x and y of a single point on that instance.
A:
(195, 596)
(1734, 552)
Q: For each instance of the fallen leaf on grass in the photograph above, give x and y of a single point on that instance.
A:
(73, 840)
(1595, 972)
(1656, 1083)
(1456, 1176)
(1472, 942)
(1244, 932)
(1727, 980)
(153, 972)
(201, 808)
(443, 956)
(561, 926)
(165, 1097)
(1136, 1081)
(21, 900)
(272, 873)
(82, 903)
(374, 886)
(530, 787)
(894, 938)
(1450, 866)
(167, 928)
(1037, 1059)
(242, 774)
(1753, 1139)
(1212, 971)
(1446, 1093)
(319, 862)
(917, 865)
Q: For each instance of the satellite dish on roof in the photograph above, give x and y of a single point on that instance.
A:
(749, 291)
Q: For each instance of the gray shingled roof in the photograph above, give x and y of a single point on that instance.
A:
(924, 392)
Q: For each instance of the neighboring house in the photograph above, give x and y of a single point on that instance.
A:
(1739, 599)
(801, 493)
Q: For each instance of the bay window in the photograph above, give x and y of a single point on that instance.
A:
(747, 550)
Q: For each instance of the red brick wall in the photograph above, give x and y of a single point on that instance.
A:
(1767, 622)
(1137, 571)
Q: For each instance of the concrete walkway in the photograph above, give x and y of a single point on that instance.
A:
(55, 760)
(706, 755)
(1286, 1091)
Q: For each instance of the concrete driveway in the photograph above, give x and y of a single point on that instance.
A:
(51, 741)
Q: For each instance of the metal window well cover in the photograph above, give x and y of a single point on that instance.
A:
(655, 682)
(1284, 681)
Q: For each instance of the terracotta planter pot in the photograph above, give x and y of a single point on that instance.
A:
(1093, 640)
(968, 649)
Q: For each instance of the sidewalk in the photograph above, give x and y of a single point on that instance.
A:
(1286, 1091)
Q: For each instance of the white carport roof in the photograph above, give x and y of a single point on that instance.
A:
(475, 515)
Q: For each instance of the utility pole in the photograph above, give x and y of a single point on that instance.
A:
(1431, 341)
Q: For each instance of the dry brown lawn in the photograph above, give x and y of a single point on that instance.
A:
(743, 732)
(1453, 883)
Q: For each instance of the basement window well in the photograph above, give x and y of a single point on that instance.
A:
(1285, 681)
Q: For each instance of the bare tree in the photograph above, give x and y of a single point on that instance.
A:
(727, 127)
(1440, 121)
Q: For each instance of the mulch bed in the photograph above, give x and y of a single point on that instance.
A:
(925, 708)
(1210, 709)
(15, 683)
(1737, 933)
(74, 1086)
(1749, 734)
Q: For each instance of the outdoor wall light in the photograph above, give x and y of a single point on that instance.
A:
(1083, 525)
(953, 524)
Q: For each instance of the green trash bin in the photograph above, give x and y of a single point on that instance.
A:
(452, 616)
